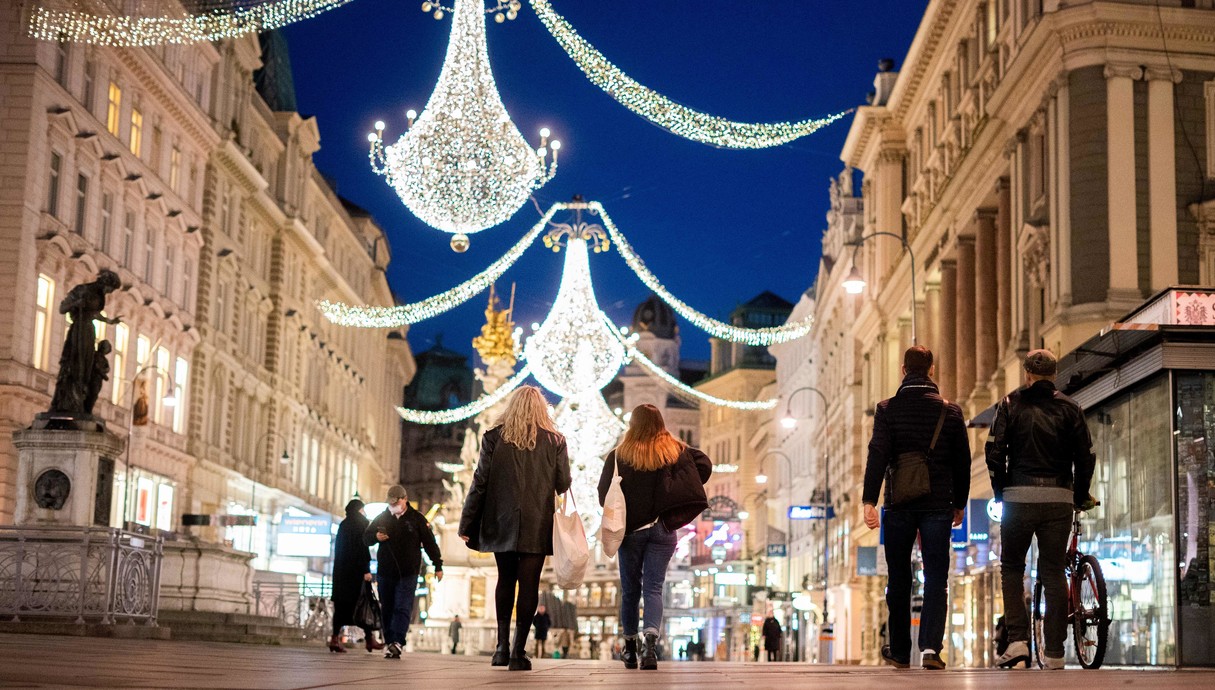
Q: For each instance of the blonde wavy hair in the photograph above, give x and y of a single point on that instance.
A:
(647, 445)
(525, 415)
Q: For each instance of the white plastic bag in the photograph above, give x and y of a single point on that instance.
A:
(570, 551)
(611, 528)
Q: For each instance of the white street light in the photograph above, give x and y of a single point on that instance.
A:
(761, 478)
(854, 284)
(788, 422)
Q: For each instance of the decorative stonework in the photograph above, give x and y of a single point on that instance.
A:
(1194, 308)
(1035, 254)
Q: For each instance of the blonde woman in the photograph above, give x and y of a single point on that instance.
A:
(663, 483)
(509, 511)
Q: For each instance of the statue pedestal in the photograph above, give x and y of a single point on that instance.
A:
(65, 476)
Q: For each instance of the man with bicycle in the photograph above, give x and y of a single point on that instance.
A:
(1040, 458)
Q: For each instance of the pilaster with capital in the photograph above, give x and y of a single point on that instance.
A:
(1120, 161)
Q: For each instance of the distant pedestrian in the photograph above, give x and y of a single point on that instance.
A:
(1040, 458)
(663, 483)
(541, 621)
(509, 511)
(563, 641)
(351, 568)
(772, 634)
(453, 630)
(402, 534)
(921, 452)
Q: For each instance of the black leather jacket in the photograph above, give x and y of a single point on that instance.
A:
(1040, 438)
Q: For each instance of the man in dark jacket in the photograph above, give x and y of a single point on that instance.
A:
(772, 632)
(402, 533)
(908, 422)
(1040, 458)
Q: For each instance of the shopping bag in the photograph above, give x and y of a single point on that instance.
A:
(611, 528)
(570, 552)
(367, 609)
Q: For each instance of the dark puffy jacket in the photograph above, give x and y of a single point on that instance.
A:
(905, 423)
(401, 554)
(510, 504)
(650, 494)
(1040, 438)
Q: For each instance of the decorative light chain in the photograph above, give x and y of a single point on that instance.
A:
(64, 20)
(662, 111)
(473, 408)
(394, 317)
(719, 329)
(503, 10)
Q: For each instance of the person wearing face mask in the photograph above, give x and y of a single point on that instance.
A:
(402, 534)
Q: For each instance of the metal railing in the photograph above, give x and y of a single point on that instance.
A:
(296, 605)
(89, 573)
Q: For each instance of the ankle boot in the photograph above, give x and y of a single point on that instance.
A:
(519, 661)
(501, 655)
(629, 655)
(649, 653)
(335, 645)
(371, 642)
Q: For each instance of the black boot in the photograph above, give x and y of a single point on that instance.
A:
(629, 655)
(649, 653)
(502, 653)
(519, 661)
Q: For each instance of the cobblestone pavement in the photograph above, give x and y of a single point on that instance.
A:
(46, 661)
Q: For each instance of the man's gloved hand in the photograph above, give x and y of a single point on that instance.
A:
(1087, 503)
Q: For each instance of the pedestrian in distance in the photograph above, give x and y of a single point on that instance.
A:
(453, 630)
(509, 510)
(921, 452)
(1040, 459)
(351, 568)
(662, 479)
(402, 534)
(772, 633)
(563, 641)
(541, 622)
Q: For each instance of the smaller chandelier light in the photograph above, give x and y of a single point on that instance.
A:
(462, 166)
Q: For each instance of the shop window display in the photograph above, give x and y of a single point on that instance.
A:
(1195, 433)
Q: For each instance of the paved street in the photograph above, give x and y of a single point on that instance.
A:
(43, 661)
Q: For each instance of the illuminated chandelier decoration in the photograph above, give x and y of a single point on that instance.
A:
(591, 430)
(662, 111)
(158, 22)
(462, 166)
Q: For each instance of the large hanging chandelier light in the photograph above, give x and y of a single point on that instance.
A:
(462, 166)
(590, 430)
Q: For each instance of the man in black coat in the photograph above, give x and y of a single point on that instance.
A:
(772, 633)
(402, 534)
(908, 423)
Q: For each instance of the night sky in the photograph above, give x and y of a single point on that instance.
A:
(716, 226)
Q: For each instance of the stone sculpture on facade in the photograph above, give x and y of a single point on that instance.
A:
(84, 304)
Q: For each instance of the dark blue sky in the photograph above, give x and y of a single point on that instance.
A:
(716, 226)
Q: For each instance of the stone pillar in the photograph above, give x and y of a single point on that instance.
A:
(987, 309)
(947, 328)
(59, 474)
(1120, 156)
(1063, 192)
(930, 325)
(964, 348)
(1162, 176)
(1003, 264)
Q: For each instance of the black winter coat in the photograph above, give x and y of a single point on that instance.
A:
(351, 561)
(510, 504)
(401, 554)
(1040, 435)
(772, 633)
(651, 494)
(905, 423)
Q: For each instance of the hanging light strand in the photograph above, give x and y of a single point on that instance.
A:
(662, 111)
(472, 409)
(65, 20)
(719, 329)
(394, 317)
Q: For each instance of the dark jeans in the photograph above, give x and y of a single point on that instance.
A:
(396, 602)
(643, 559)
(901, 529)
(773, 655)
(1052, 523)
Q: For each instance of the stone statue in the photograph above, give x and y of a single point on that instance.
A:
(84, 304)
(139, 408)
(101, 373)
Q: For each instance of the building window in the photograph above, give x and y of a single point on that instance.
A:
(158, 141)
(121, 338)
(82, 203)
(90, 80)
(170, 259)
(175, 169)
(61, 61)
(162, 374)
(42, 321)
(187, 272)
(113, 109)
(52, 187)
(149, 254)
(107, 218)
(128, 238)
(136, 132)
(221, 306)
(181, 374)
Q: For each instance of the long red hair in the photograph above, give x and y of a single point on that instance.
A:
(647, 445)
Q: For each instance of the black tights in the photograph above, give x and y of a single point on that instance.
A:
(523, 569)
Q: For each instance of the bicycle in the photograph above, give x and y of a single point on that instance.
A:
(1087, 606)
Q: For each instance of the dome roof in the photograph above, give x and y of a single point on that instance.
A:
(655, 316)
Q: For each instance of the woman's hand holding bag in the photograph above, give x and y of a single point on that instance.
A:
(611, 528)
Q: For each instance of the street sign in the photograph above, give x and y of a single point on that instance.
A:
(721, 508)
(777, 551)
(815, 512)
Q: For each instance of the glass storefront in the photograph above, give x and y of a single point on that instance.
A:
(1195, 448)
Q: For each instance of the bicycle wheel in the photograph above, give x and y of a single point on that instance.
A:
(1090, 625)
(1037, 632)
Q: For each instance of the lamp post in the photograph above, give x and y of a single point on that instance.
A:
(854, 284)
(284, 459)
(789, 422)
(762, 478)
(169, 401)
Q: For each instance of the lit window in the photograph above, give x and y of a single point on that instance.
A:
(175, 169)
(121, 337)
(161, 376)
(143, 501)
(136, 132)
(181, 373)
(42, 321)
(164, 507)
(113, 109)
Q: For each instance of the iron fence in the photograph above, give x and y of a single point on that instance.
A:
(297, 605)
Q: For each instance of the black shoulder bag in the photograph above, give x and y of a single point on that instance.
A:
(910, 479)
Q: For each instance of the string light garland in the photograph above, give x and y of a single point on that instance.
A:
(402, 315)
(662, 111)
(462, 166)
(463, 412)
(166, 21)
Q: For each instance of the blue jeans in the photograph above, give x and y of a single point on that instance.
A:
(396, 602)
(643, 559)
(901, 529)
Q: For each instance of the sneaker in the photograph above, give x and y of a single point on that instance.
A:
(932, 661)
(888, 657)
(1016, 653)
(1053, 664)
(393, 651)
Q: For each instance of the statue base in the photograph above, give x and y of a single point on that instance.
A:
(65, 476)
(68, 421)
